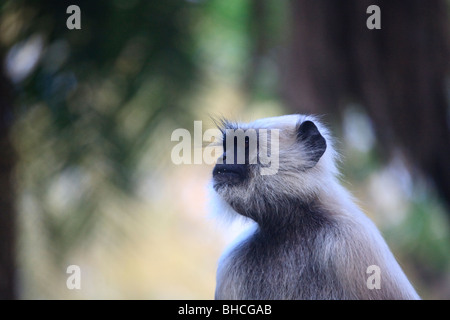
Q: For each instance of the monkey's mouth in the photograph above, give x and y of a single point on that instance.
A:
(229, 174)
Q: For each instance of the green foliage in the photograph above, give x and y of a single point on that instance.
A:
(95, 98)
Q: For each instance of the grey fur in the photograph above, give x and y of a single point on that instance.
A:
(310, 240)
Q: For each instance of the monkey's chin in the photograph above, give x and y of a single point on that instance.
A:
(219, 184)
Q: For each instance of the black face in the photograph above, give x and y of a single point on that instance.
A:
(231, 173)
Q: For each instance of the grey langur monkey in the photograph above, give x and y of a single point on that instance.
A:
(310, 240)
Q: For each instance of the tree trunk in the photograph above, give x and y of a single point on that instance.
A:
(396, 73)
(7, 210)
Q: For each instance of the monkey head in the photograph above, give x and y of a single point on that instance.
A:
(272, 164)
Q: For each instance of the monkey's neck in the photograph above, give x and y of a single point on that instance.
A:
(299, 219)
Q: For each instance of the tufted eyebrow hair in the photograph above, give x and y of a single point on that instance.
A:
(223, 124)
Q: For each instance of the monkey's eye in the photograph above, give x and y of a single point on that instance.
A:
(246, 144)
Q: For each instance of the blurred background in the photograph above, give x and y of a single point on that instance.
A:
(86, 118)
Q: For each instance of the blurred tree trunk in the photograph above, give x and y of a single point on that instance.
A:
(397, 73)
(7, 212)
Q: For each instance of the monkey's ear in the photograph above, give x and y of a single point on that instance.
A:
(314, 143)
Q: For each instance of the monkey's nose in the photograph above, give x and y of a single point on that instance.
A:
(230, 172)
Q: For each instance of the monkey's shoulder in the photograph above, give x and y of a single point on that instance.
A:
(332, 264)
(260, 265)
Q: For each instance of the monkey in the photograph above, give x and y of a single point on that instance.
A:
(309, 239)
